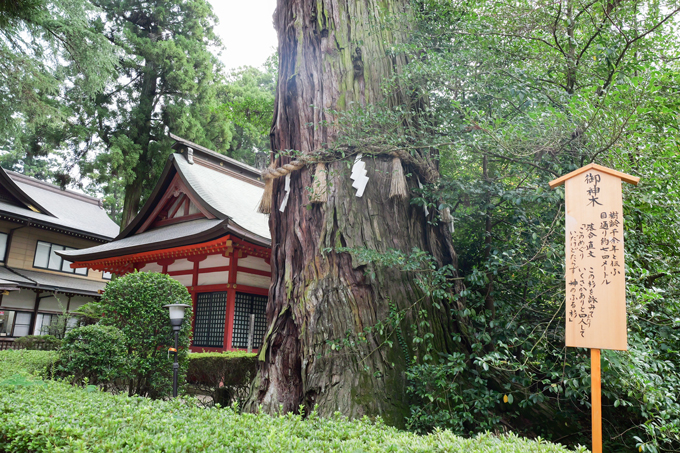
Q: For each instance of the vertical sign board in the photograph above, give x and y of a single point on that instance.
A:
(596, 287)
(595, 274)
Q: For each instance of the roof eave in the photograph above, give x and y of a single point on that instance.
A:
(217, 230)
(248, 235)
(59, 289)
(59, 228)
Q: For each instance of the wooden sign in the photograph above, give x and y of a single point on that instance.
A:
(595, 270)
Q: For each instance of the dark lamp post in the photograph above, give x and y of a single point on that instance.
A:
(176, 318)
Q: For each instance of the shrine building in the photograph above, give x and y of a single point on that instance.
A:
(200, 226)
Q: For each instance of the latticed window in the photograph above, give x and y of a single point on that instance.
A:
(246, 305)
(209, 326)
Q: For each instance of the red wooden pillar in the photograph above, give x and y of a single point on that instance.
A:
(231, 300)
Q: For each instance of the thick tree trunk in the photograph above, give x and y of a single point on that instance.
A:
(333, 53)
(141, 136)
(133, 195)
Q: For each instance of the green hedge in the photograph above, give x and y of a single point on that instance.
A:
(24, 361)
(224, 377)
(54, 416)
(228, 368)
(38, 342)
(58, 417)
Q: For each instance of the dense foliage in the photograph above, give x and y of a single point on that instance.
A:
(165, 81)
(44, 415)
(516, 94)
(134, 304)
(57, 416)
(93, 355)
(37, 363)
(88, 314)
(48, 50)
(247, 99)
(224, 376)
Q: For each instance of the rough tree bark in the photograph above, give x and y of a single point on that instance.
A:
(333, 53)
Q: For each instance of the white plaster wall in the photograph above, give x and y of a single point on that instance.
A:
(254, 262)
(184, 279)
(22, 299)
(213, 278)
(181, 265)
(258, 281)
(55, 304)
(79, 301)
(214, 261)
(152, 267)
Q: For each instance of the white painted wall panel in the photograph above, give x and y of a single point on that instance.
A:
(184, 279)
(52, 303)
(23, 299)
(79, 301)
(254, 262)
(213, 278)
(181, 265)
(152, 267)
(259, 281)
(214, 261)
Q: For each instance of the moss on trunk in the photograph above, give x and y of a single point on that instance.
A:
(332, 55)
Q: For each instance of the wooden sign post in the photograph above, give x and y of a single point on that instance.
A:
(595, 274)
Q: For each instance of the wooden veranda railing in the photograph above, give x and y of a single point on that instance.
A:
(9, 343)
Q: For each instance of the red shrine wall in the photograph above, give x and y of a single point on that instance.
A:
(211, 273)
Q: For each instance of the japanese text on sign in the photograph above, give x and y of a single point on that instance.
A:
(595, 290)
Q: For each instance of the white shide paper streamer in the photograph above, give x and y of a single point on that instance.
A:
(359, 175)
(285, 198)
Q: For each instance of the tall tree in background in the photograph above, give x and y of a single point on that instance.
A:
(91, 88)
(247, 97)
(48, 51)
(334, 57)
(165, 83)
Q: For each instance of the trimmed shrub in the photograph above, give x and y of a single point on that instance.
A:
(224, 376)
(59, 417)
(24, 361)
(39, 342)
(134, 304)
(95, 353)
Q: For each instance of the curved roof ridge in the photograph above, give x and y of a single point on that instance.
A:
(196, 147)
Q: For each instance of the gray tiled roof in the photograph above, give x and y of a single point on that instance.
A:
(51, 282)
(71, 210)
(63, 283)
(152, 239)
(7, 274)
(234, 198)
(6, 285)
(231, 195)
